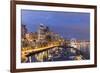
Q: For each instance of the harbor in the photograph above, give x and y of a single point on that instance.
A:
(45, 46)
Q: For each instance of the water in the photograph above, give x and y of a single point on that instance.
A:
(60, 54)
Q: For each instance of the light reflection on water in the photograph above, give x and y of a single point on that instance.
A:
(60, 54)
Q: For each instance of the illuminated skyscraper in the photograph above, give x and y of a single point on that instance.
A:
(42, 32)
(23, 31)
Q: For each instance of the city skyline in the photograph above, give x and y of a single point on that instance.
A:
(67, 24)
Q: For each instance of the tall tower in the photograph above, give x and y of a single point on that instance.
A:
(41, 32)
(23, 31)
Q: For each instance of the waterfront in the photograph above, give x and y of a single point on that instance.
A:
(60, 54)
(45, 45)
(54, 36)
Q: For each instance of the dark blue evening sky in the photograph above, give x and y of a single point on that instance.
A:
(67, 24)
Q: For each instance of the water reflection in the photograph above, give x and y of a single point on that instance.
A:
(60, 54)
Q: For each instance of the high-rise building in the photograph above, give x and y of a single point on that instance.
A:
(23, 30)
(42, 32)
